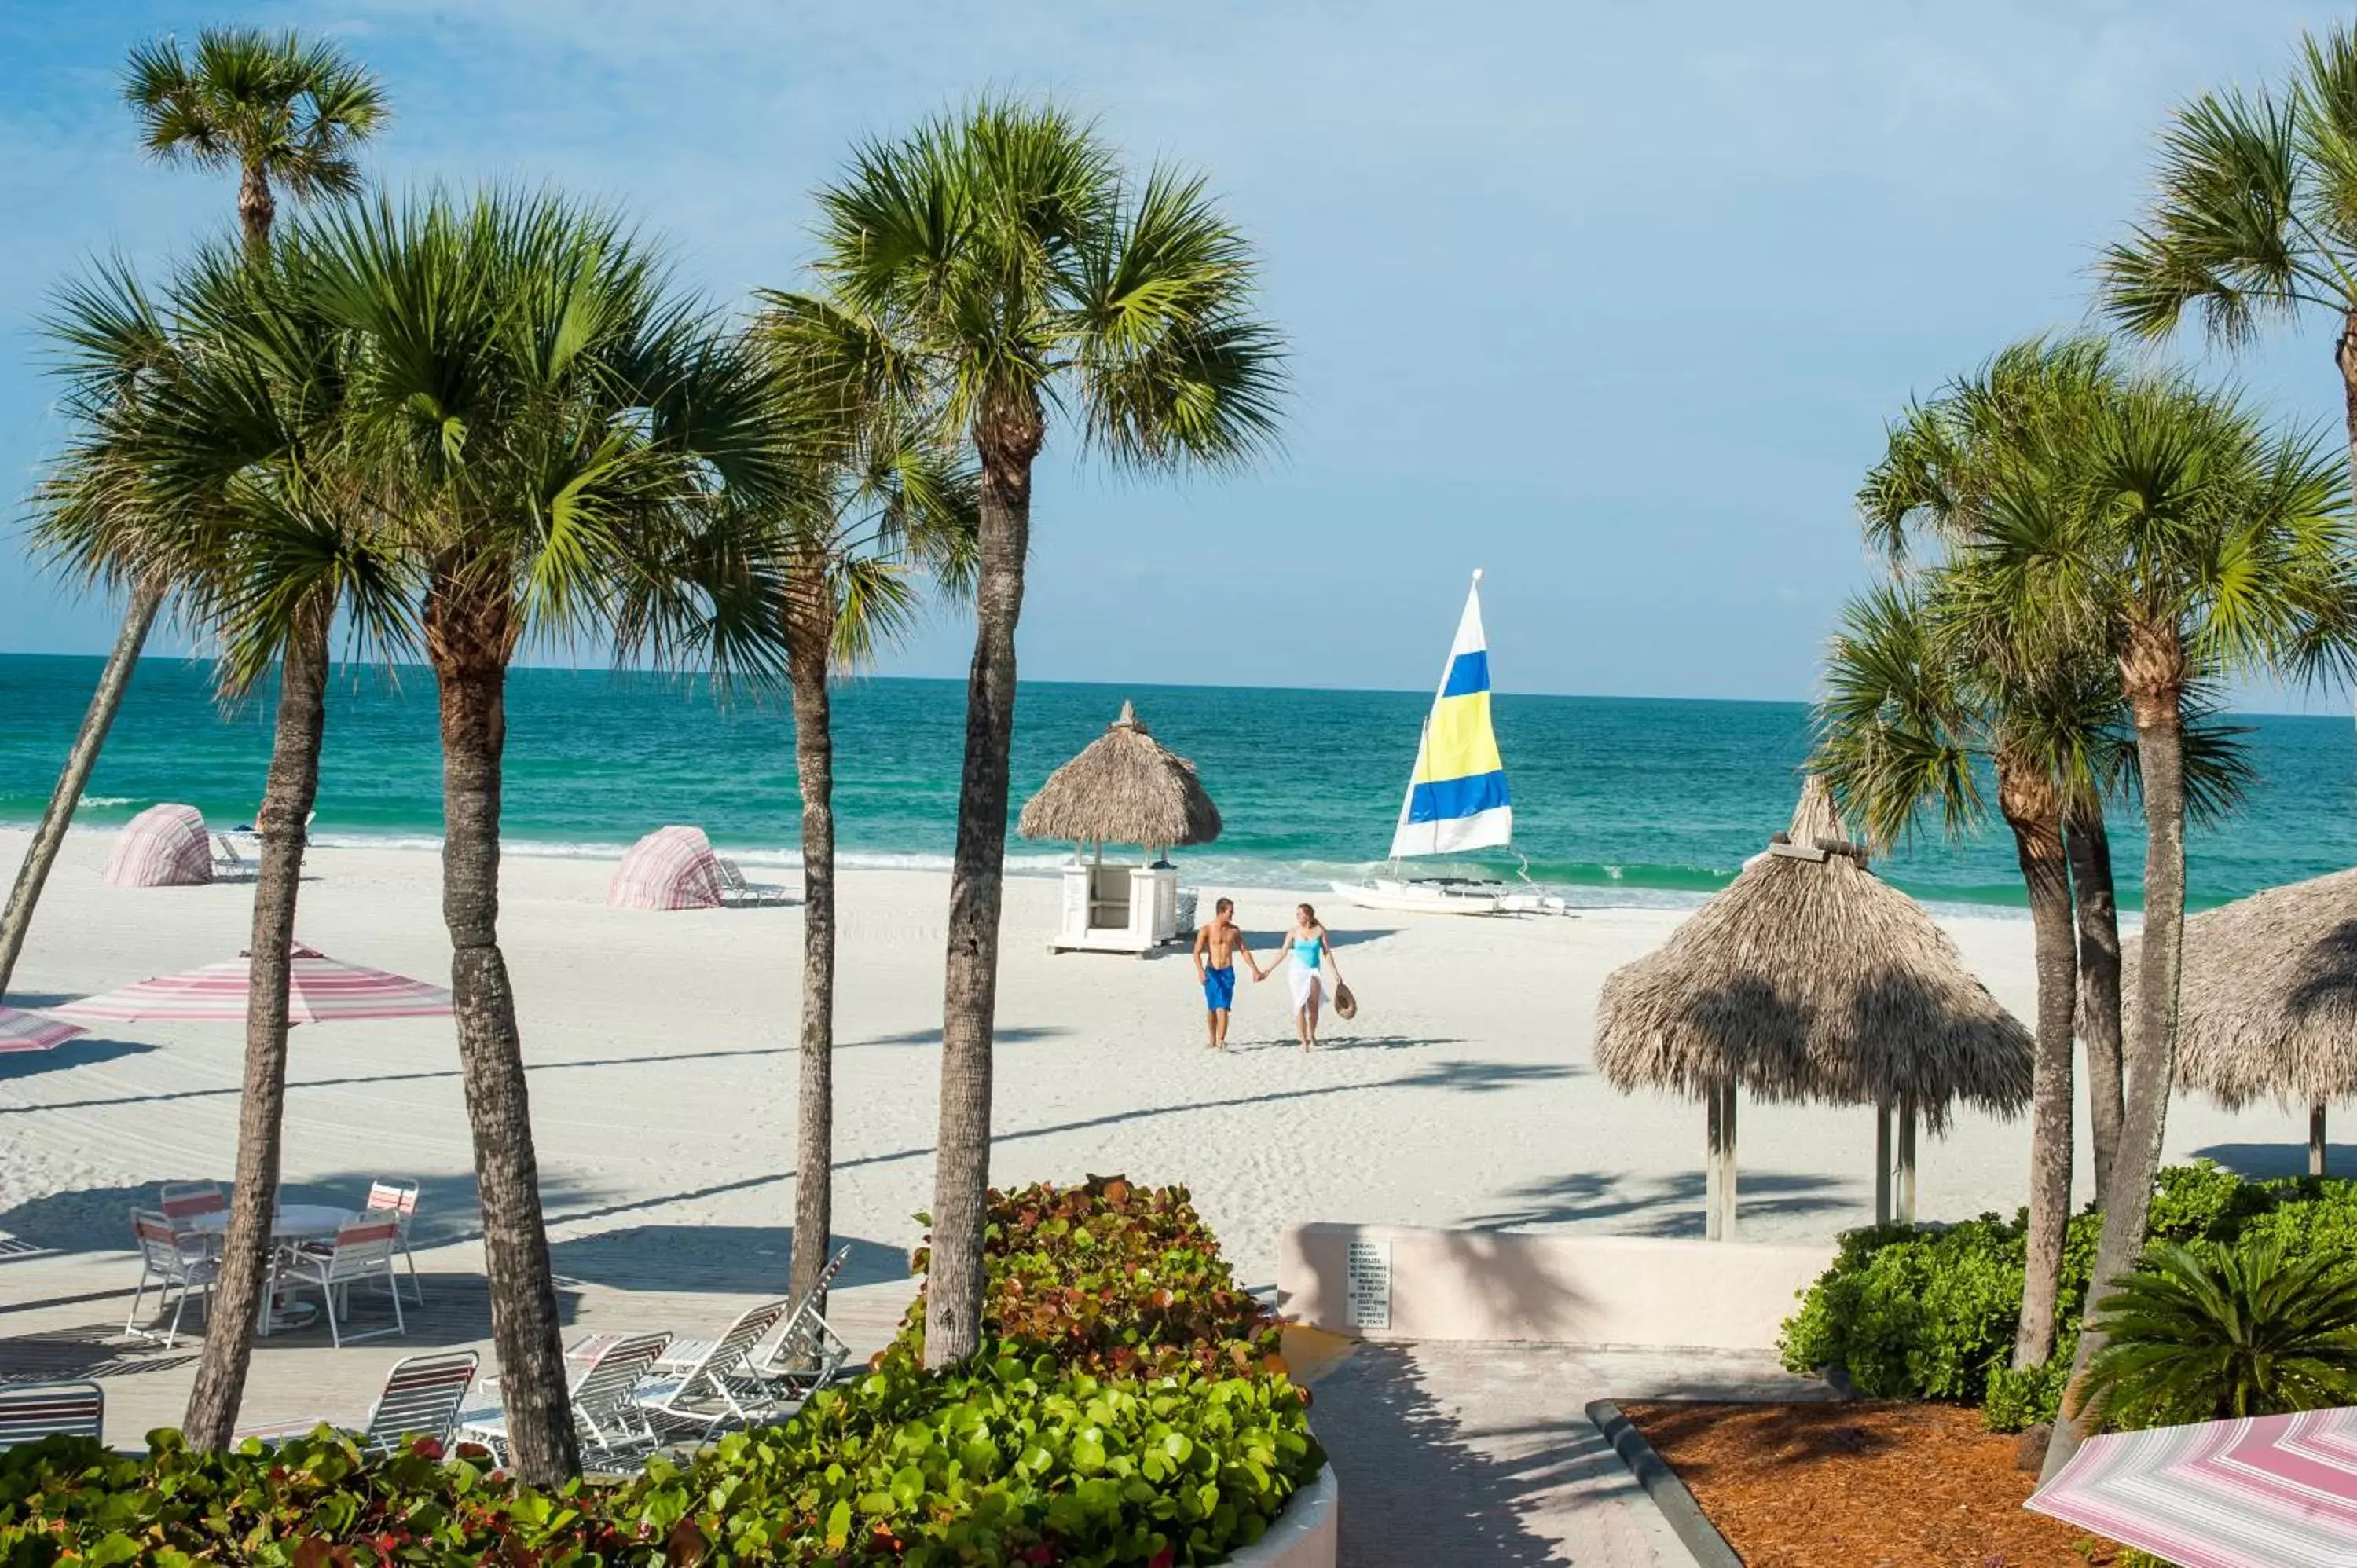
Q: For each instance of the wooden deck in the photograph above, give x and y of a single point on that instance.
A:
(61, 1318)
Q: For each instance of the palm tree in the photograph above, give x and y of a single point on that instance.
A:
(2213, 1333)
(223, 471)
(2256, 215)
(2198, 540)
(2025, 414)
(1014, 265)
(549, 423)
(284, 111)
(894, 494)
(1908, 714)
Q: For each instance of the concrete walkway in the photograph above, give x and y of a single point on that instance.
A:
(1483, 1454)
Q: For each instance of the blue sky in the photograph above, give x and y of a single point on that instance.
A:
(1610, 300)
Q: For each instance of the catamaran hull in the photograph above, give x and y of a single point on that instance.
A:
(1422, 897)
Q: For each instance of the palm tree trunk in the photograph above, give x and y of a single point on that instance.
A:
(2344, 354)
(42, 852)
(287, 800)
(2098, 914)
(2033, 810)
(2152, 670)
(810, 606)
(469, 636)
(255, 209)
(1007, 444)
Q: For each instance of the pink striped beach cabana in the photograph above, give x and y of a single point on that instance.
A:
(671, 868)
(163, 846)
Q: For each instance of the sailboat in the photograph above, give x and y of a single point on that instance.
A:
(1457, 798)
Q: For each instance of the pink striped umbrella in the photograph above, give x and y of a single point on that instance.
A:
(2260, 1493)
(318, 989)
(23, 1031)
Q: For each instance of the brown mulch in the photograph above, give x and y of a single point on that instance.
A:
(1864, 1485)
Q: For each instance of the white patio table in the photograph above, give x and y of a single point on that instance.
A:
(293, 1224)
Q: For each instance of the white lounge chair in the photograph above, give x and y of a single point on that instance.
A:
(719, 1387)
(615, 1431)
(31, 1411)
(422, 1398)
(228, 863)
(806, 1355)
(737, 893)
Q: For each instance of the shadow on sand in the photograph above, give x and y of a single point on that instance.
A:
(737, 1260)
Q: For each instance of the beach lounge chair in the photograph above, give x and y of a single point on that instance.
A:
(172, 1262)
(362, 1250)
(31, 1411)
(719, 1387)
(422, 1398)
(805, 1357)
(230, 864)
(616, 1434)
(398, 1196)
(737, 893)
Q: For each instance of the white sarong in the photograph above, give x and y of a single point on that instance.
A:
(1307, 983)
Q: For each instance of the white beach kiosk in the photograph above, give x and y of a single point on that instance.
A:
(1125, 788)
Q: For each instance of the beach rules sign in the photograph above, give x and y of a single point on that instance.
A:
(1367, 1284)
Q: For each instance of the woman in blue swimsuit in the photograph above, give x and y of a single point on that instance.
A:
(1308, 958)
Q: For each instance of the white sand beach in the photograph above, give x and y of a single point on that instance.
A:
(663, 1073)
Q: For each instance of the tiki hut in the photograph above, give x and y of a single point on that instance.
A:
(1125, 788)
(1809, 978)
(2267, 1008)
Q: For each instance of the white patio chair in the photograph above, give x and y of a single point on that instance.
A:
(31, 1411)
(720, 1385)
(180, 1201)
(616, 1434)
(173, 1261)
(685, 1353)
(736, 892)
(230, 864)
(398, 1196)
(362, 1250)
(422, 1398)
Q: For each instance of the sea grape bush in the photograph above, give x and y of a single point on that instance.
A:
(1114, 1278)
(1929, 1312)
(1128, 1407)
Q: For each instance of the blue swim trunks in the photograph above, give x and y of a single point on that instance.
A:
(1220, 988)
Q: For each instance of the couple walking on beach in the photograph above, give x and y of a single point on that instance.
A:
(1306, 955)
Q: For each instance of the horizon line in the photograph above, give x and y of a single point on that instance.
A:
(857, 677)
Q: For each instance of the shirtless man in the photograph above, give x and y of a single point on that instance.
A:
(1219, 942)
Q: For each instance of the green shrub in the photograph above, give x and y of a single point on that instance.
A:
(1002, 1461)
(1929, 1312)
(1127, 1408)
(1114, 1278)
(2205, 1332)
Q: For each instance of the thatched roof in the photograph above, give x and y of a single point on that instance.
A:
(1125, 788)
(1811, 978)
(2269, 1005)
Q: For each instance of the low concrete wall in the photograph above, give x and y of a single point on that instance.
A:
(1594, 1290)
(1307, 1534)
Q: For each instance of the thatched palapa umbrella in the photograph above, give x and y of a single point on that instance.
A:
(1809, 978)
(2267, 1008)
(1125, 788)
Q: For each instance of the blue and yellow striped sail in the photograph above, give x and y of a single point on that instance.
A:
(1457, 796)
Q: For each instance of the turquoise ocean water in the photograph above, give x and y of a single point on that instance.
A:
(1615, 800)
